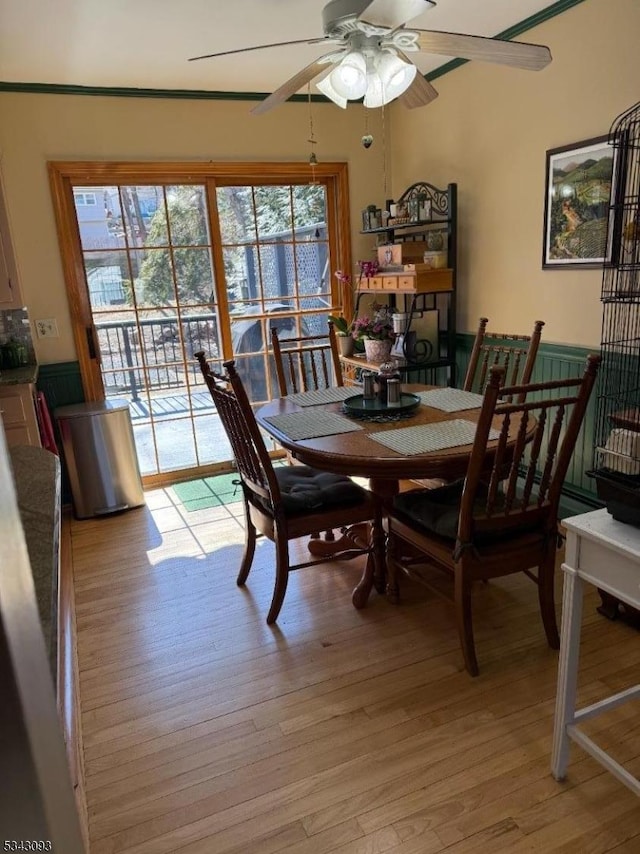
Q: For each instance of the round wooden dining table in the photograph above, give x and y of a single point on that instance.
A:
(355, 454)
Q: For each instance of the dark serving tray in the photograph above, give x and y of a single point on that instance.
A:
(359, 406)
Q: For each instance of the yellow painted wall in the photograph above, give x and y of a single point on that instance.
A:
(36, 128)
(489, 131)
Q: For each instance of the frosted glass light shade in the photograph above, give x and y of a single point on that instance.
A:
(380, 77)
(326, 87)
(387, 78)
(349, 77)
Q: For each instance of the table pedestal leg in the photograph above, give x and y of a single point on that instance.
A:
(393, 589)
(385, 490)
(374, 574)
(355, 535)
(375, 571)
(361, 591)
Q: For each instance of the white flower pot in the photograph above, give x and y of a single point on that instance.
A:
(377, 351)
(399, 320)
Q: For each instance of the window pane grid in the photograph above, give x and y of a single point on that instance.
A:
(148, 258)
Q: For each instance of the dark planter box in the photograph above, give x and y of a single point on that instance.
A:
(621, 494)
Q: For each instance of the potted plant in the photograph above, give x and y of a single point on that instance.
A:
(341, 325)
(376, 332)
(343, 334)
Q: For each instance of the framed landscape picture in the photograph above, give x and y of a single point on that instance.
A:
(580, 184)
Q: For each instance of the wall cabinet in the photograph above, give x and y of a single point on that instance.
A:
(18, 413)
(10, 295)
(426, 295)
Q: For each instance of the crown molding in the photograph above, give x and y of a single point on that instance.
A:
(529, 23)
(127, 92)
(512, 32)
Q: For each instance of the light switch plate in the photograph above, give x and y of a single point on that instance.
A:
(47, 328)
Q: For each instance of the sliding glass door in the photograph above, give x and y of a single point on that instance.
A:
(276, 259)
(173, 267)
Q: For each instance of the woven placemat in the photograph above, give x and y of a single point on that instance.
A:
(451, 399)
(430, 437)
(312, 425)
(322, 395)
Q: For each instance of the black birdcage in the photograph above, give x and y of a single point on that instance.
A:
(617, 435)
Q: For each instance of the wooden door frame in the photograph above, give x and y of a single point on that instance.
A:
(64, 175)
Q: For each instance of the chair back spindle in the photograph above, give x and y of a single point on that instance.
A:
(249, 450)
(538, 432)
(515, 353)
(306, 363)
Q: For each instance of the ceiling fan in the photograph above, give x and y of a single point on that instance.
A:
(370, 62)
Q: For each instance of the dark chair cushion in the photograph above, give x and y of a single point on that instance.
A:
(434, 510)
(307, 490)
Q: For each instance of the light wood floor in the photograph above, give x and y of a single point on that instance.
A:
(206, 732)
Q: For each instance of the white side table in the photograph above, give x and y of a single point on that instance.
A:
(605, 553)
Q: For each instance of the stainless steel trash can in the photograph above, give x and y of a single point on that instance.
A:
(100, 456)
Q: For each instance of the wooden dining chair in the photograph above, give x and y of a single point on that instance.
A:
(516, 354)
(486, 526)
(306, 363)
(287, 502)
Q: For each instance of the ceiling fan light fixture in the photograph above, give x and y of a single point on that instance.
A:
(374, 32)
(349, 77)
(396, 75)
(375, 95)
(326, 87)
(388, 77)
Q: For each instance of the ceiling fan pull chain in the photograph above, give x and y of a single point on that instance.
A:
(384, 156)
(367, 138)
(313, 160)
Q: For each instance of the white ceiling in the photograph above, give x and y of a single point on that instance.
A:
(146, 43)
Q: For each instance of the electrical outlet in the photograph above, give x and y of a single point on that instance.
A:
(47, 328)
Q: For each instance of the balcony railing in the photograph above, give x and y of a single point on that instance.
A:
(141, 359)
(130, 348)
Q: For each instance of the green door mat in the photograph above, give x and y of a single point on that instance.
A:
(209, 491)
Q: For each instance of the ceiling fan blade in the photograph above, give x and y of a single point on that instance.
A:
(383, 13)
(291, 86)
(257, 47)
(531, 57)
(420, 93)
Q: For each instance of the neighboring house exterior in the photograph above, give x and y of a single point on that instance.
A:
(92, 218)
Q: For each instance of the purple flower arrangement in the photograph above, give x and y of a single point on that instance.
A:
(379, 327)
(368, 269)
